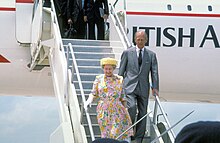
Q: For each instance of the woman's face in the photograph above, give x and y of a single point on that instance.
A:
(108, 70)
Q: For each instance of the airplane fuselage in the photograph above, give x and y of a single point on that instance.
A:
(186, 38)
(15, 75)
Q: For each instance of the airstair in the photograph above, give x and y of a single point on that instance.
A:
(74, 64)
(87, 54)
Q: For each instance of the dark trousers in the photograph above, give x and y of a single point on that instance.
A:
(63, 24)
(80, 26)
(137, 101)
(99, 22)
(61, 17)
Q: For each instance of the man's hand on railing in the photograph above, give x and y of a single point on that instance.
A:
(155, 92)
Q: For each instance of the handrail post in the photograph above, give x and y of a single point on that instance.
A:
(164, 115)
(155, 111)
(115, 3)
(67, 79)
(81, 91)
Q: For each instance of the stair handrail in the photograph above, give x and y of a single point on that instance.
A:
(81, 90)
(158, 104)
(172, 127)
(124, 11)
(36, 40)
(117, 2)
(59, 44)
(121, 29)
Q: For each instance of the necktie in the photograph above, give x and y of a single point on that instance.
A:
(140, 58)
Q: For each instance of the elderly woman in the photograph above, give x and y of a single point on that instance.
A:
(113, 117)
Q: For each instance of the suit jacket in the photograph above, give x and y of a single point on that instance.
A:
(91, 8)
(61, 7)
(73, 9)
(129, 69)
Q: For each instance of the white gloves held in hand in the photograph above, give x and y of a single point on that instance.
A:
(86, 104)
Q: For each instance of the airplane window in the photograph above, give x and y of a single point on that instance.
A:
(210, 8)
(189, 7)
(169, 7)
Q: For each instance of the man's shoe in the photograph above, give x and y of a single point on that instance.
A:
(132, 138)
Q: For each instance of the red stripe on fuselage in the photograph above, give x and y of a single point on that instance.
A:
(172, 14)
(3, 59)
(24, 1)
(12, 8)
(7, 9)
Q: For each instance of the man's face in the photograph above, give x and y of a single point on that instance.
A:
(140, 40)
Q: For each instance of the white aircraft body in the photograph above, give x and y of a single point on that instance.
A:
(185, 35)
(186, 41)
(15, 76)
(186, 38)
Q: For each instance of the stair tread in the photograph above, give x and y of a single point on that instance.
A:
(88, 64)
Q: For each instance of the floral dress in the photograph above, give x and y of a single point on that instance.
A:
(113, 117)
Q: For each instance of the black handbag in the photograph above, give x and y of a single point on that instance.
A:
(70, 32)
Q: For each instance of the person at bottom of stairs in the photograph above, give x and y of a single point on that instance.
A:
(112, 115)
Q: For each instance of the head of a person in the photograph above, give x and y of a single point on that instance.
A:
(108, 65)
(200, 132)
(140, 38)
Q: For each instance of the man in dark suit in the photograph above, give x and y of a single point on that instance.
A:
(135, 66)
(61, 12)
(75, 16)
(95, 13)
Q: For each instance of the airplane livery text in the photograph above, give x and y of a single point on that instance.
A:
(171, 36)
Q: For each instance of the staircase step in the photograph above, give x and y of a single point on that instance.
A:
(93, 70)
(86, 42)
(85, 77)
(89, 55)
(86, 62)
(92, 49)
(95, 127)
(92, 117)
(86, 91)
(86, 85)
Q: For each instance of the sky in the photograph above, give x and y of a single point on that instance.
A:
(27, 119)
(33, 119)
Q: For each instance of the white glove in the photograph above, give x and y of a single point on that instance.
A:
(88, 102)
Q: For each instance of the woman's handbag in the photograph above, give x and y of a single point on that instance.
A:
(70, 32)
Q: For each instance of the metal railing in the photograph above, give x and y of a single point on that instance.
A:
(158, 104)
(120, 27)
(81, 91)
(124, 12)
(59, 46)
(115, 3)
